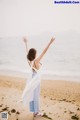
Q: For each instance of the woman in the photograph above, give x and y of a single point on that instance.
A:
(34, 63)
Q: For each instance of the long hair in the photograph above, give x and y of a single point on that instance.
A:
(31, 54)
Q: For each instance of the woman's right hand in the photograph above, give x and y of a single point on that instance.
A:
(52, 40)
(25, 39)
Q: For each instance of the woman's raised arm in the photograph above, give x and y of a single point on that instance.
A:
(25, 41)
(45, 50)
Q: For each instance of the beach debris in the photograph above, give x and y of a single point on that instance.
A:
(71, 112)
(46, 116)
(5, 109)
(69, 101)
(17, 112)
(51, 99)
(64, 99)
(78, 108)
(73, 100)
(75, 117)
(44, 96)
(13, 110)
(65, 111)
(9, 113)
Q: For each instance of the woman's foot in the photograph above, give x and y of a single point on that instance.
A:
(35, 114)
(38, 114)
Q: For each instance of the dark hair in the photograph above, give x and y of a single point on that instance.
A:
(31, 54)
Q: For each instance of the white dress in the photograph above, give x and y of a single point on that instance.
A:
(31, 92)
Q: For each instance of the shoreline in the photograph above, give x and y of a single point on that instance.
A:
(11, 73)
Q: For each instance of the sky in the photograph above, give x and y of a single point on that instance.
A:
(33, 17)
(39, 20)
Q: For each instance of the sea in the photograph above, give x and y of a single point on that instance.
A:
(61, 61)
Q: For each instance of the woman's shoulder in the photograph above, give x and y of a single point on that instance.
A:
(37, 65)
(37, 62)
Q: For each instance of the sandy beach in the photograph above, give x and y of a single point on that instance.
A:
(59, 100)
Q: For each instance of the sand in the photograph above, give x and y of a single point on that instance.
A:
(59, 100)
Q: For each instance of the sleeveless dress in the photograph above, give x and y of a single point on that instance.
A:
(34, 104)
(31, 93)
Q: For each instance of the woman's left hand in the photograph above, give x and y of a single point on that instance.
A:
(25, 39)
(52, 40)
